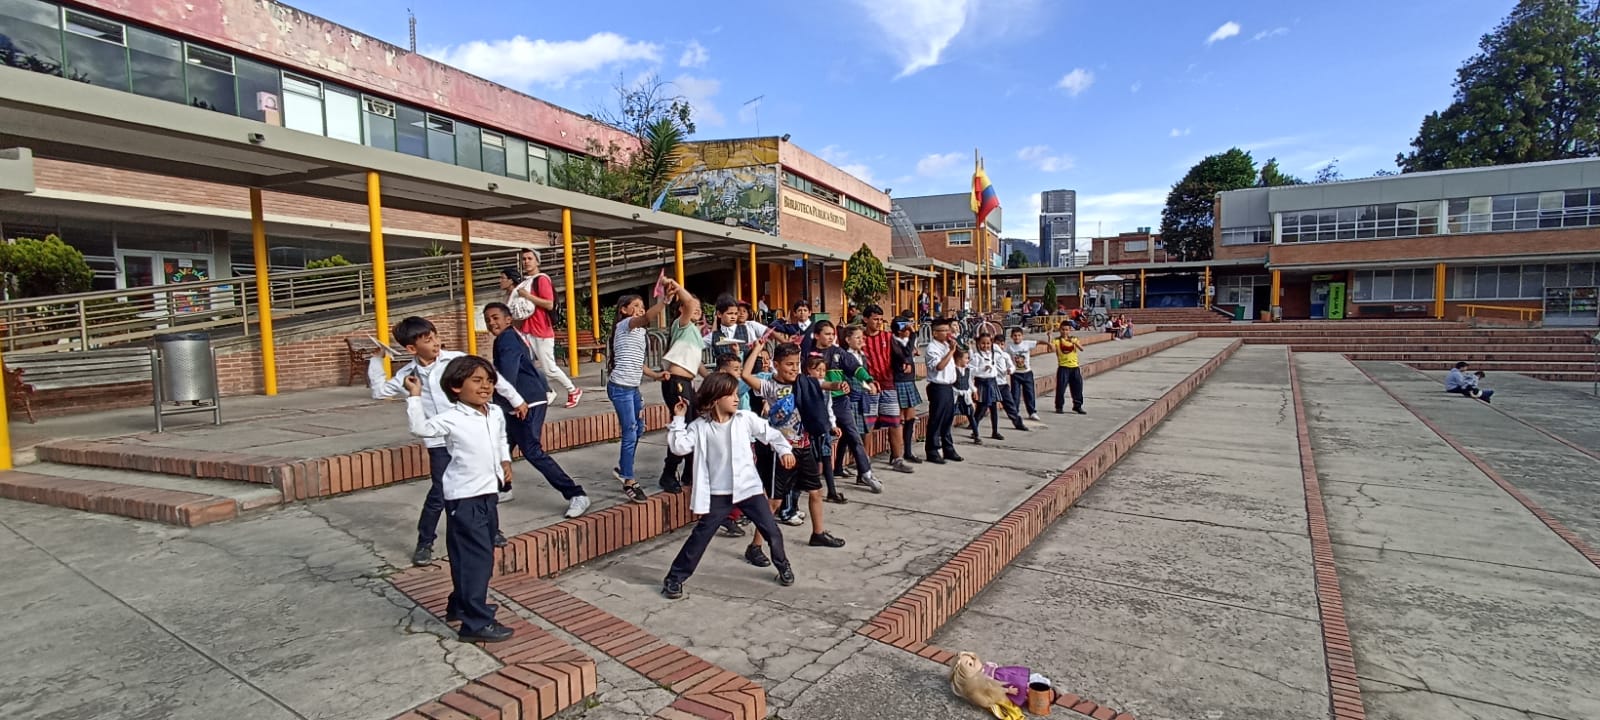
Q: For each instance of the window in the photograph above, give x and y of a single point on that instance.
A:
(469, 150)
(210, 80)
(97, 51)
(302, 104)
(1247, 235)
(538, 164)
(343, 111)
(1388, 220)
(260, 92)
(157, 65)
(1392, 285)
(494, 153)
(34, 31)
(958, 238)
(442, 139)
(378, 117)
(411, 135)
(516, 158)
(810, 188)
(1136, 246)
(557, 164)
(1501, 282)
(856, 206)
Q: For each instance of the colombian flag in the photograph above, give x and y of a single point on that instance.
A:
(984, 199)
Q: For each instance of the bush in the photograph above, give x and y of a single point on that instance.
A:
(38, 268)
(330, 262)
(1051, 302)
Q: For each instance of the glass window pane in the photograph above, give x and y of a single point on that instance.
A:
(302, 105)
(469, 141)
(1382, 285)
(260, 92)
(1580, 274)
(558, 159)
(157, 65)
(343, 111)
(442, 139)
(1488, 283)
(1555, 276)
(538, 164)
(1361, 287)
(411, 134)
(1510, 284)
(212, 90)
(1532, 281)
(34, 31)
(517, 158)
(378, 118)
(97, 62)
(494, 153)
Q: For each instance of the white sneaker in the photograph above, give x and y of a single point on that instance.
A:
(506, 496)
(1033, 416)
(577, 507)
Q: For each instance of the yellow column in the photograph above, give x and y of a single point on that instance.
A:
(572, 292)
(1083, 293)
(466, 277)
(269, 352)
(594, 294)
(1205, 289)
(944, 288)
(380, 280)
(755, 287)
(1277, 287)
(677, 244)
(844, 295)
(895, 301)
(1438, 291)
(1141, 288)
(738, 278)
(5, 433)
(1022, 296)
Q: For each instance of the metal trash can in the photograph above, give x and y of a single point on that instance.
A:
(183, 376)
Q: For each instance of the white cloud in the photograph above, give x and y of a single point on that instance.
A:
(918, 30)
(840, 158)
(939, 164)
(1178, 133)
(699, 91)
(1228, 30)
(1039, 156)
(1264, 34)
(1110, 213)
(861, 172)
(521, 62)
(1076, 82)
(1134, 88)
(694, 55)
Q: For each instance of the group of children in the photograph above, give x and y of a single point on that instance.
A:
(764, 427)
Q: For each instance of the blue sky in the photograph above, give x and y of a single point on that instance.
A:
(1114, 100)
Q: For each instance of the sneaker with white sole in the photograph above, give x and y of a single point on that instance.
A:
(1033, 416)
(870, 482)
(507, 496)
(899, 465)
(794, 520)
(578, 506)
(574, 396)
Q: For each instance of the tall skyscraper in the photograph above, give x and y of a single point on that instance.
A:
(1058, 225)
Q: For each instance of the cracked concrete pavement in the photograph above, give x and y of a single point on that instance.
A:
(1461, 603)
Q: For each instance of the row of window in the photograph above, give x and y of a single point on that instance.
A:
(833, 196)
(46, 38)
(1498, 213)
(1247, 235)
(958, 239)
(955, 225)
(1481, 282)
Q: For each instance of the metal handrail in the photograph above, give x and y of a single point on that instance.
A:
(1524, 314)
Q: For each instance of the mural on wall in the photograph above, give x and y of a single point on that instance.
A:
(730, 181)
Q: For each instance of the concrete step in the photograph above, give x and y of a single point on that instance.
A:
(1341, 346)
(169, 499)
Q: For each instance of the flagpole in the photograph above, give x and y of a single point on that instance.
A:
(977, 230)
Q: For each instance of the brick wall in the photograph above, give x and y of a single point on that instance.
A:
(935, 245)
(1113, 250)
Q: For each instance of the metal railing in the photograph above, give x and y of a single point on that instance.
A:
(1524, 314)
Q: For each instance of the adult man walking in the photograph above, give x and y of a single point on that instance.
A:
(537, 288)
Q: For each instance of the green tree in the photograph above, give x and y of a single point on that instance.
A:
(39, 268)
(1272, 176)
(659, 123)
(1186, 221)
(1051, 301)
(867, 281)
(1017, 259)
(1531, 93)
(1329, 173)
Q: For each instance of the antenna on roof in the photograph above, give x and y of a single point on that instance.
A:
(412, 18)
(756, 101)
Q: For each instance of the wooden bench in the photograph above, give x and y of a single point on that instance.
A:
(362, 350)
(586, 343)
(27, 374)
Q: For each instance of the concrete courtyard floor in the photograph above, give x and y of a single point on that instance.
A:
(1179, 587)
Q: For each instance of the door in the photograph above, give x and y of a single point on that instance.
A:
(177, 269)
(1319, 300)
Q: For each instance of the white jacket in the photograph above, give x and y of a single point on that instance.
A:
(747, 427)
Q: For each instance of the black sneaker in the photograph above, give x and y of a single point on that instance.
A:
(836, 498)
(422, 556)
(1021, 428)
(634, 492)
(844, 472)
(825, 539)
(976, 440)
(500, 540)
(952, 457)
(935, 459)
(755, 556)
(1059, 411)
(914, 460)
(996, 436)
(491, 633)
(671, 589)
(731, 529)
(671, 485)
(451, 617)
(1079, 411)
(785, 577)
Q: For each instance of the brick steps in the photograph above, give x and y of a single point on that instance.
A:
(141, 502)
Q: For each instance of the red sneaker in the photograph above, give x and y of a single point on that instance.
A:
(574, 396)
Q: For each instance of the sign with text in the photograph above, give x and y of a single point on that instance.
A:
(813, 209)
